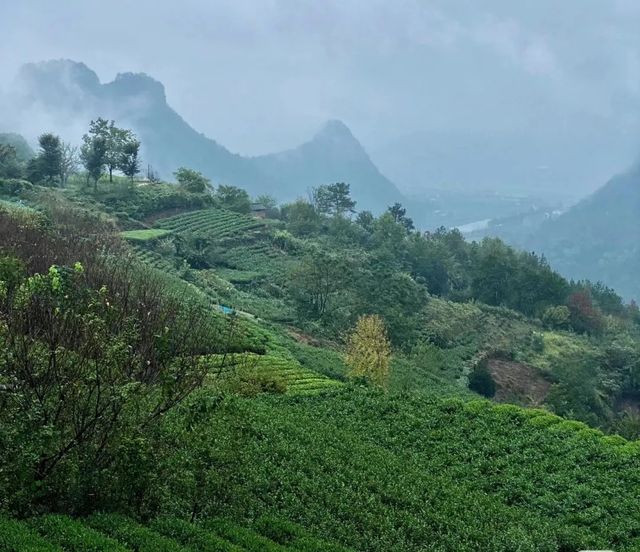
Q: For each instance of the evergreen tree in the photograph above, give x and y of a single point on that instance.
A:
(129, 162)
(92, 154)
(333, 199)
(46, 167)
(399, 214)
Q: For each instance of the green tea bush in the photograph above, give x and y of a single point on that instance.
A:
(217, 223)
(293, 536)
(132, 534)
(17, 536)
(193, 536)
(74, 536)
(279, 530)
(388, 473)
(241, 536)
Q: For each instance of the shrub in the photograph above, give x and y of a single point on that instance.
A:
(289, 534)
(16, 536)
(193, 536)
(537, 342)
(243, 537)
(74, 536)
(133, 535)
(14, 186)
(249, 383)
(557, 317)
(278, 530)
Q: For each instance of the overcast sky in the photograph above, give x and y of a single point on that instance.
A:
(263, 75)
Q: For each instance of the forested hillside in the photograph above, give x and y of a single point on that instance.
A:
(186, 367)
(68, 90)
(598, 237)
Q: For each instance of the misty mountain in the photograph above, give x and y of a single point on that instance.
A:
(24, 152)
(333, 154)
(64, 89)
(598, 238)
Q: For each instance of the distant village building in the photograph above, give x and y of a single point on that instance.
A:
(258, 210)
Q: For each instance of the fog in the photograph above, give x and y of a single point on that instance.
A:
(261, 76)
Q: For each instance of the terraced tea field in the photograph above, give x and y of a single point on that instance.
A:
(152, 258)
(115, 533)
(217, 223)
(145, 235)
(298, 379)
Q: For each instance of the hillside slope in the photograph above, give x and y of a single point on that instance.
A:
(65, 89)
(333, 155)
(274, 426)
(599, 237)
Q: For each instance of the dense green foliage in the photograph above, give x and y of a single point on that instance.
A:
(74, 536)
(18, 536)
(174, 375)
(393, 473)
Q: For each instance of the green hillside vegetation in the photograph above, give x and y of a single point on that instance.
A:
(145, 235)
(170, 142)
(116, 533)
(174, 376)
(598, 237)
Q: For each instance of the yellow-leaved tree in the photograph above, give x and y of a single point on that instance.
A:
(369, 350)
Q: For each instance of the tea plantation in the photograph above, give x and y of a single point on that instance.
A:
(174, 376)
(115, 533)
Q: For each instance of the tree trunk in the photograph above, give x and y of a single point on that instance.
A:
(110, 175)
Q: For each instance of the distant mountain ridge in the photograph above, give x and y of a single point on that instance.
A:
(67, 88)
(599, 237)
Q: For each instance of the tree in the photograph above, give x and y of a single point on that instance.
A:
(399, 214)
(116, 140)
(369, 351)
(47, 165)
(192, 181)
(333, 199)
(302, 218)
(92, 154)
(557, 317)
(366, 220)
(234, 199)
(313, 284)
(585, 317)
(69, 162)
(9, 164)
(129, 162)
(89, 369)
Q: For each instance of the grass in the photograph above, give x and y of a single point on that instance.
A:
(145, 235)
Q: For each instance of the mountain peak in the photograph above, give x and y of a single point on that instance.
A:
(137, 84)
(58, 77)
(335, 129)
